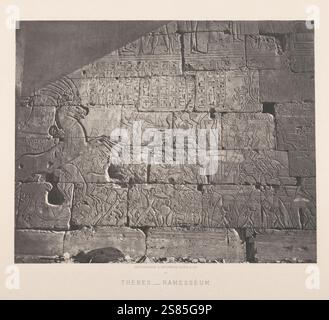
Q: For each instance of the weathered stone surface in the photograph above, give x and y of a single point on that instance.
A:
(157, 53)
(129, 241)
(89, 165)
(18, 187)
(263, 167)
(269, 167)
(154, 54)
(302, 52)
(295, 126)
(267, 52)
(30, 166)
(164, 205)
(73, 159)
(94, 163)
(128, 173)
(197, 122)
(33, 144)
(155, 44)
(228, 167)
(244, 27)
(169, 28)
(37, 242)
(227, 91)
(208, 243)
(213, 51)
(274, 27)
(228, 27)
(156, 120)
(101, 121)
(231, 206)
(108, 91)
(302, 163)
(248, 131)
(99, 205)
(177, 174)
(281, 51)
(286, 245)
(201, 26)
(34, 120)
(283, 86)
(126, 66)
(288, 207)
(43, 205)
(309, 187)
(166, 93)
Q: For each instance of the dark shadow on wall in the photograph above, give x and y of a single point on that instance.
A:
(52, 49)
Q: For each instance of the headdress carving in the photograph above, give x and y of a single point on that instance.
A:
(63, 92)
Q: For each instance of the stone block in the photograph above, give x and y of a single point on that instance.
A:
(44, 205)
(227, 91)
(205, 129)
(288, 207)
(228, 167)
(268, 167)
(18, 187)
(248, 131)
(207, 51)
(197, 120)
(38, 242)
(228, 27)
(177, 174)
(91, 163)
(166, 93)
(155, 54)
(156, 120)
(275, 27)
(250, 167)
(34, 121)
(293, 52)
(164, 205)
(203, 26)
(244, 27)
(231, 206)
(267, 52)
(295, 124)
(302, 163)
(33, 144)
(101, 121)
(99, 205)
(128, 173)
(128, 241)
(283, 86)
(108, 91)
(309, 187)
(220, 244)
(286, 246)
(302, 52)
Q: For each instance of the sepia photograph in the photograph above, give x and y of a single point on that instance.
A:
(155, 141)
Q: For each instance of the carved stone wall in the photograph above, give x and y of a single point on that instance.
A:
(252, 81)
